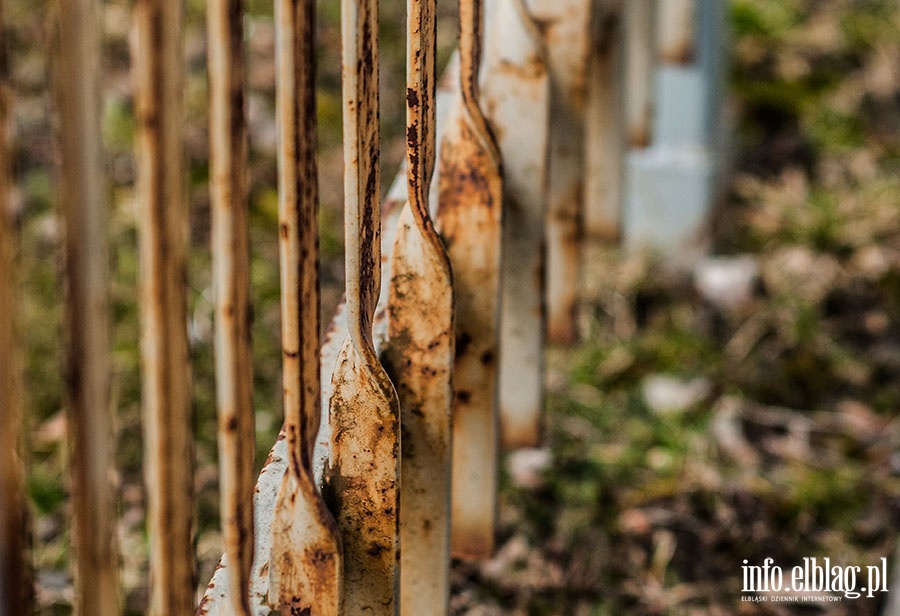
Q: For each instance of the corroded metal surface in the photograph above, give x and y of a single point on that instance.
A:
(470, 202)
(331, 442)
(675, 31)
(15, 583)
(84, 208)
(306, 559)
(231, 275)
(604, 129)
(163, 212)
(215, 599)
(363, 483)
(639, 51)
(515, 97)
(566, 30)
(419, 356)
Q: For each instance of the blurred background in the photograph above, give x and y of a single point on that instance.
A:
(696, 424)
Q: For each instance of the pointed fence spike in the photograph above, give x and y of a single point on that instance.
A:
(363, 484)
(566, 36)
(470, 206)
(306, 562)
(419, 356)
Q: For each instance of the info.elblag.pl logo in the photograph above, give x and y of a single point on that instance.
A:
(814, 580)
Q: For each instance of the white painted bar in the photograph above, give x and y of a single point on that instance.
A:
(638, 58)
(604, 130)
(515, 96)
(567, 36)
(671, 186)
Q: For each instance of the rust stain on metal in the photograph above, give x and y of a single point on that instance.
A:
(516, 94)
(168, 437)
(470, 204)
(362, 484)
(207, 602)
(231, 273)
(419, 356)
(306, 558)
(269, 484)
(675, 31)
(203, 607)
(680, 53)
(639, 57)
(604, 129)
(306, 563)
(567, 37)
(639, 137)
(564, 239)
(84, 209)
(566, 28)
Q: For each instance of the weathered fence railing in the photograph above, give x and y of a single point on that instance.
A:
(556, 121)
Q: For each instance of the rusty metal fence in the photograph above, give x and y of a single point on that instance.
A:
(556, 122)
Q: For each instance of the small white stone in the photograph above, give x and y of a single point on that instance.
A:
(525, 467)
(726, 282)
(665, 394)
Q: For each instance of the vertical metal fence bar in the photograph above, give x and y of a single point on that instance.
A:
(675, 30)
(567, 38)
(604, 131)
(364, 478)
(231, 279)
(470, 209)
(15, 591)
(163, 225)
(639, 56)
(84, 207)
(306, 562)
(420, 355)
(712, 58)
(671, 185)
(515, 95)
(679, 92)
